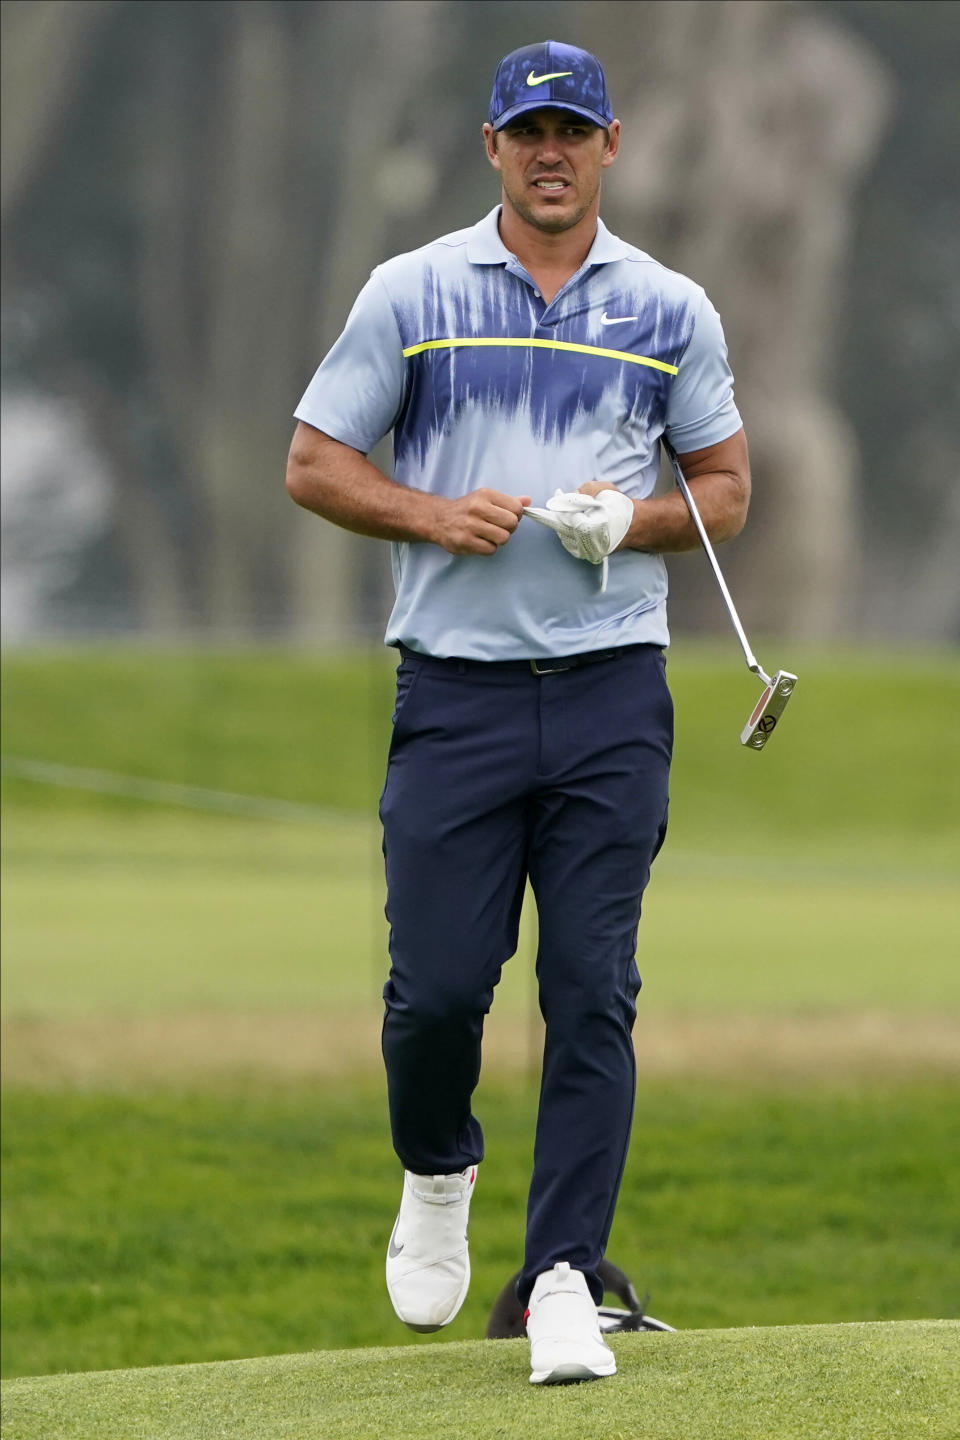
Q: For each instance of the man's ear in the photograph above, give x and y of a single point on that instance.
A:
(612, 147)
(490, 140)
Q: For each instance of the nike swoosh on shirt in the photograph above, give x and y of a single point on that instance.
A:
(606, 319)
(542, 79)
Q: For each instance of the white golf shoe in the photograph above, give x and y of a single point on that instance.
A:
(564, 1329)
(428, 1264)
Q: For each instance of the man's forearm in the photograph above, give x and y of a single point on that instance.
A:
(719, 481)
(663, 524)
(341, 485)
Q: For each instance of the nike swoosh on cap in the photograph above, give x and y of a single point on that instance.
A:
(542, 79)
(606, 319)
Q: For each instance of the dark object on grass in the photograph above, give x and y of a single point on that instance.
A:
(506, 1317)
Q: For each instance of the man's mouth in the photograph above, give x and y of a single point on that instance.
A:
(550, 187)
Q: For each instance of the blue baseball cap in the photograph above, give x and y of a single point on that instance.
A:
(561, 77)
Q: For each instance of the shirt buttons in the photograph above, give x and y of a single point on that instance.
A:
(538, 295)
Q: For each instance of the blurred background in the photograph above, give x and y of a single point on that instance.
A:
(196, 699)
(194, 192)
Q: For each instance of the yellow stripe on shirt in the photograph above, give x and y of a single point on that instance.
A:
(451, 344)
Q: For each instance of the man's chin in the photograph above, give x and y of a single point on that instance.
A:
(553, 219)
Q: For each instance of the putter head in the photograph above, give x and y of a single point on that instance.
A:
(613, 1320)
(768, 710)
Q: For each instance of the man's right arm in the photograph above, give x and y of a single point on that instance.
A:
(341, 485)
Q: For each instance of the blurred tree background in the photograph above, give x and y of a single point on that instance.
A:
(194, 192)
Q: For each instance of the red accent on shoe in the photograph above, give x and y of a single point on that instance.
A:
(526, 1317)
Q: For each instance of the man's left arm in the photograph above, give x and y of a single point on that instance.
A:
(719, 480)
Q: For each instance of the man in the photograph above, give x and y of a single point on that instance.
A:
(532, 353)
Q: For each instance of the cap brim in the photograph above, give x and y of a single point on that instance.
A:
(593, 116)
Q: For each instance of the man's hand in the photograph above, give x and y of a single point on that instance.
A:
(478, 523)
(593, 487)
(590, 526)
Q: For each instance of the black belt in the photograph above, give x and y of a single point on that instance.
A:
(545, 665)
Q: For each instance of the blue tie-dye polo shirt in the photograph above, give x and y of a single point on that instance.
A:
(453, 349)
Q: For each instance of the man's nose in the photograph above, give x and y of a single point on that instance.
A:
(550, 149)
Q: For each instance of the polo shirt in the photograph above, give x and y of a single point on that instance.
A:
(453, 348)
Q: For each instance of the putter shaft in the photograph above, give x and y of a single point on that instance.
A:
(752, 661)
(772, 702)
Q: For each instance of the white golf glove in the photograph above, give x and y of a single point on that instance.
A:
(589, 526)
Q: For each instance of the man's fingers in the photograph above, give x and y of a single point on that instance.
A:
(491, 519)
(479, 523)
(475, 535)
(499, 497)
(503, 519)
(503, 510)
(476, 544)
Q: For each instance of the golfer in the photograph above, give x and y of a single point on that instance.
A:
(529, 354)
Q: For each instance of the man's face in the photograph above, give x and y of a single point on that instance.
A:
(550, 163)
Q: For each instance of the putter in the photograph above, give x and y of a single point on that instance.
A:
(779, 687)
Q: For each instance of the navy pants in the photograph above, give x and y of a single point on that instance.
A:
(496, 775)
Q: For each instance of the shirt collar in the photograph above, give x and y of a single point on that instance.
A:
(484, 247)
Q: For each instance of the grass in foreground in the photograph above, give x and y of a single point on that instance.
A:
(153, 1228)
(855, 1382)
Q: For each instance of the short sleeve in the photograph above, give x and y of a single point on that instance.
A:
(700, 408)
(356, 394)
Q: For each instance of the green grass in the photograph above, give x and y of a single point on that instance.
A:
(148, 912)
(868, 761)
(145, 1228)
(149, 1223)
(145, 912)
(289, 725)
(831, 1382)
(796, 880)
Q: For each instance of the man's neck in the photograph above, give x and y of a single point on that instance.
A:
(544, 254)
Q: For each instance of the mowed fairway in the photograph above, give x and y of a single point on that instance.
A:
(196, 1150)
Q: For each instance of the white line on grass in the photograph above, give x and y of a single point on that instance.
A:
(164, 792)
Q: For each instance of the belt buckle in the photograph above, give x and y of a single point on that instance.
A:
(549, 667)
